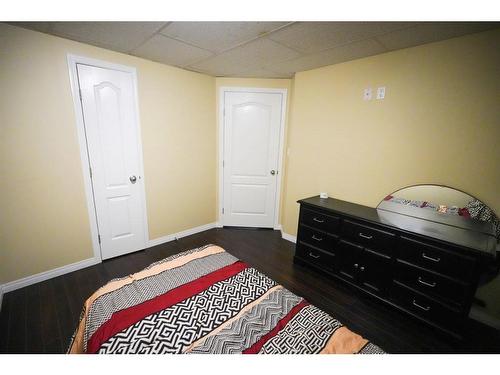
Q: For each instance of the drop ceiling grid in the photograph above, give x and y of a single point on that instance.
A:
(256, 49)
(206, 34)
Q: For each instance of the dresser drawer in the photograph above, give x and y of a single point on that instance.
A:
(372, 238)
(431, 283)
(424, 307)
(436, 259)
(319, 221)
(316, 256)
(316, 238)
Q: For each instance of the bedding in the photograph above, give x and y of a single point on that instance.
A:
(207, 301)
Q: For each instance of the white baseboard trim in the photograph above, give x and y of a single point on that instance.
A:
(42, 276)
(184, 233)
(288, 237)
(477, 313)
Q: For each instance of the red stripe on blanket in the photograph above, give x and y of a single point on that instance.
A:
(125, 318)
(255, 348)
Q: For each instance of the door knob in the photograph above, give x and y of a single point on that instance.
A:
(273, 172)
(133, 179)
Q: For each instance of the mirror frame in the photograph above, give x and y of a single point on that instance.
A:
(438, 185)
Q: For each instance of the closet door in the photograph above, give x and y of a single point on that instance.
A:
(112, 135)
(252, 125)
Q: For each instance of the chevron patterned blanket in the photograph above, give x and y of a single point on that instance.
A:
(207, 301)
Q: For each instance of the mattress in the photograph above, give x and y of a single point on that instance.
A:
(207, 301)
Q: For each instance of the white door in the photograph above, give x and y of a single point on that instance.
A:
(112, 133)
(252, 128)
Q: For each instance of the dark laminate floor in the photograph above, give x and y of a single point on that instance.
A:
(41, 318)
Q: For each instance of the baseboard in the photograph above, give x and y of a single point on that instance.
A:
(288, 237)
(42, 276)
(478, 314)
(184, 233)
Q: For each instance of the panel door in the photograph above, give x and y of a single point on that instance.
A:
(252, 125)
(112, 132)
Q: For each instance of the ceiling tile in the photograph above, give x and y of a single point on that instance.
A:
(280, 48)
(170, 51)
(428, 32)
(244, 58)
(336, 55)
(118, 36)
(218, 36)
(265, 73)
(309, 37)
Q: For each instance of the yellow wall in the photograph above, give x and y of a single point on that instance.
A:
(259, 83)
(43, 220)
(439, 123)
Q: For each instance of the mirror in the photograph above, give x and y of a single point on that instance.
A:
(445, 205)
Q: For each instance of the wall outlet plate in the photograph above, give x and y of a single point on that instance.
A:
(381, 92)
(367, 94)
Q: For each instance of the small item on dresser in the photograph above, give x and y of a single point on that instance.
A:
(442, 208)
(323, 195)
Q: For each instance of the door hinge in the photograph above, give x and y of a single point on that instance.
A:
(80, 93)
(223, 163)
(222, 209)
(99, 238)
(90, 170)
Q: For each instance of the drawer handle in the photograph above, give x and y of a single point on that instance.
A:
(314, 256)
(365, 236)
(425, 308)
(318, 220)
(432, 285)
(430, 258)
(316, 238)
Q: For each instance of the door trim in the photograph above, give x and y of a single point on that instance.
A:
(220, 133)
(73, 60)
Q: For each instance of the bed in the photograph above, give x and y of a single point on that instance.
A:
(207, 301)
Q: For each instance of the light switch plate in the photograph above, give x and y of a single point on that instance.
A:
(381, 92)
(367, 94)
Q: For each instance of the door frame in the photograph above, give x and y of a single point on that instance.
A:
(73, 60)
(220, 132)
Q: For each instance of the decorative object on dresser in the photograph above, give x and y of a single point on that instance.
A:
(424, 267)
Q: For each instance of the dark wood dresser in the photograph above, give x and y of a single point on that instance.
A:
(427, 269)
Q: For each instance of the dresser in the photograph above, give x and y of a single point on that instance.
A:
(429, 270)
